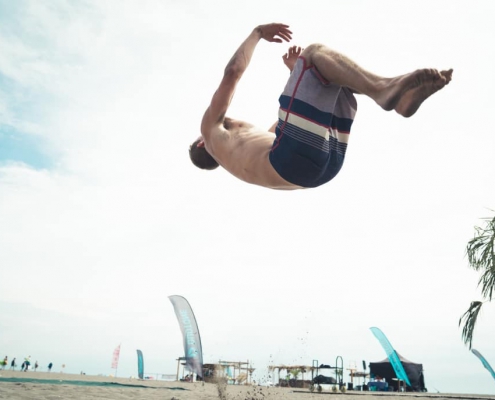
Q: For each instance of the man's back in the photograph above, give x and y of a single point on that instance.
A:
(243, 150)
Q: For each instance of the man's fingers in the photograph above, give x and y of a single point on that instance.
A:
(285, 34)
(288, 35)
(294, 51)
(284, 28)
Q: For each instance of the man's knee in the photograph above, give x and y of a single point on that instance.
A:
(311, 50)
(315, 47)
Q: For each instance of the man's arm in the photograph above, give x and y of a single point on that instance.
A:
(290, 59)
(239, 62)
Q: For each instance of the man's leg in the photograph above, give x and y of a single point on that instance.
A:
(403, 93)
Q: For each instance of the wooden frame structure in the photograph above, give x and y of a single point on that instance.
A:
(241, 371)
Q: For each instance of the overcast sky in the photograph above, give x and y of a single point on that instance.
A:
(102, 215)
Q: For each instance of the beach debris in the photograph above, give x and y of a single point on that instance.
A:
(222, 388)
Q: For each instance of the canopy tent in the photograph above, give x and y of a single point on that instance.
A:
(414, 372)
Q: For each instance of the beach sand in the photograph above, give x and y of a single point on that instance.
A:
(125, 388)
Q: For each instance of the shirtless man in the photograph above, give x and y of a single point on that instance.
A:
(306, 146)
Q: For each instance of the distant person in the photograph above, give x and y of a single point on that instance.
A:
(306, 147)
(27, 363)
(23, 365)
(50, 367)
(5, 362)
(12, 365)
(36, 365)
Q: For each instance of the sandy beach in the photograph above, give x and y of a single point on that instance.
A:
(71, 386)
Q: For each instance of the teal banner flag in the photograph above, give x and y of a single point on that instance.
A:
(392, 355)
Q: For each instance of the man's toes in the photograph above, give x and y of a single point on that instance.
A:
(437, 75)
(447, 74)
(433, 73)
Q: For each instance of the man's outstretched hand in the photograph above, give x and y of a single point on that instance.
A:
(291, 57)
(270, 31)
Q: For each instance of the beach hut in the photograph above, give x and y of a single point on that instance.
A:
(413, 370)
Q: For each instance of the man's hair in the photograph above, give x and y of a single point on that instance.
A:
(201, 158)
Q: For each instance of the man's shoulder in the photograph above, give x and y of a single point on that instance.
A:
(215, 138)
(215, 134)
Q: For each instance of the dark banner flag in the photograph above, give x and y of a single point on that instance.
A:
(140, 364)
(190, 332)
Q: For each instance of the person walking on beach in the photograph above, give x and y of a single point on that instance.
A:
(5, 362)
(50, 367)
(36, 365)
(12, 365)
(306, 147)
(27, 363)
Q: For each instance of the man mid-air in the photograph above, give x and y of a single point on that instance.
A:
(306, 147)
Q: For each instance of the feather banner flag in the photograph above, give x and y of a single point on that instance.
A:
(392, 355)
(193, 352)
(484, 362)
(140, 364)
(115, 358)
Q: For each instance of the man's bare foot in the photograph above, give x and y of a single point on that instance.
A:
(412, 99)
(390, 90)
(394, 89)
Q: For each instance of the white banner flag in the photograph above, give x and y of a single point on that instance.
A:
(115, 358)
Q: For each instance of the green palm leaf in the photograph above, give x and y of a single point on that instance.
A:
(470, 317)
(481, 257)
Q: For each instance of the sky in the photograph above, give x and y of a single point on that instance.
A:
(103, 216)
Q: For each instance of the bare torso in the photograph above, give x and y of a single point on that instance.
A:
(243, 150)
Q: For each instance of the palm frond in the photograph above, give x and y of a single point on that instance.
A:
(470, 317)
(487, 282)
(481, 256)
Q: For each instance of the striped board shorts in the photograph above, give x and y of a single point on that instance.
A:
(314, 122)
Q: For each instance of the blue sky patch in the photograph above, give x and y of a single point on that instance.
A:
(18, 147)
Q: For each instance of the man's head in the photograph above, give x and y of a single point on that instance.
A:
(200, 157)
